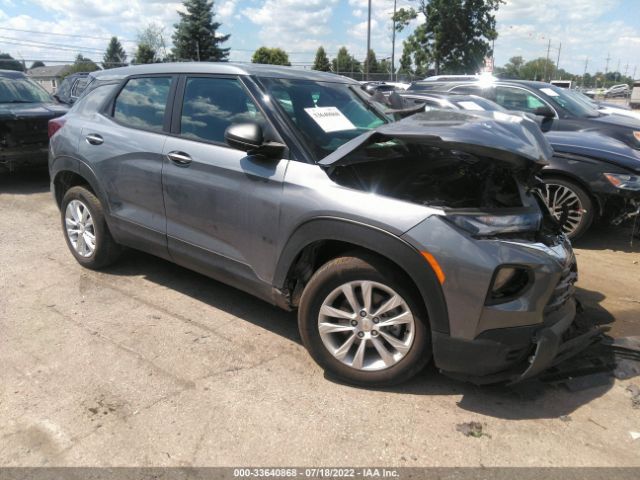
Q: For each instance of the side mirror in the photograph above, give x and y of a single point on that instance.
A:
(249, 138)
(244, 136)
(545, 111)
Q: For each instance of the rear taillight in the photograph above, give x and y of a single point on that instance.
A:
(55, 124)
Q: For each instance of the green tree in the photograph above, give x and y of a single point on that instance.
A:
(195, 37)
(371, 63)
(145, 54)
(321, 62)
(81, 64)
(7, 62)
(406, 64)
(37, 64)
(456, 35)
(538, 69)
(115, 56)
(512, 67)
(345, 62)
(270, 56)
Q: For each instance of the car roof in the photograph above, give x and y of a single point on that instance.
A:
(527, 83)
(223, 68)
(11, 74)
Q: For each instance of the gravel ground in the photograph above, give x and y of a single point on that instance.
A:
(148, 364)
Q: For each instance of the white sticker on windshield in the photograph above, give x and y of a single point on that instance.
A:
(548, 91)
(471, 106)
(330, 119)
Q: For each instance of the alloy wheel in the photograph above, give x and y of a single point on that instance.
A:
(366, 325)
(80, 228)
(564, 203)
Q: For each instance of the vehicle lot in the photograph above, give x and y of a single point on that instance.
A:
(147, 363)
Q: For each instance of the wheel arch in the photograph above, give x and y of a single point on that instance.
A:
(68, 172)
(319, 240)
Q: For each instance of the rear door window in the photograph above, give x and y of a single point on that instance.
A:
(142, 103)
(211, 105)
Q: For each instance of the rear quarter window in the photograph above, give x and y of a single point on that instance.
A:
(92, 101)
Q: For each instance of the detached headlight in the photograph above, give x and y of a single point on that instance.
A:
(485, 225)
(623, 181)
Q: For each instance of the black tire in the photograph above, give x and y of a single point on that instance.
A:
(363, 267)
(586, 203)
(106, 249)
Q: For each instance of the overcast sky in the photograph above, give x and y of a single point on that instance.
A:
(58, 29)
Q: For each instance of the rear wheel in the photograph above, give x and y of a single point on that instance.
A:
(570, 203)
(85, 229)
(361, 320)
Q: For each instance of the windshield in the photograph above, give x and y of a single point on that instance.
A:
(21, 90)
(326, 114)
(582, 98)
(564, 99)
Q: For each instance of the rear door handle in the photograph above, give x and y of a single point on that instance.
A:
(94, 139)
(179, 158)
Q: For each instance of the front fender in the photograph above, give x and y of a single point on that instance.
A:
(377, 240)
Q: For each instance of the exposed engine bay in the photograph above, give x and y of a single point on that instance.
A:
(431, 176)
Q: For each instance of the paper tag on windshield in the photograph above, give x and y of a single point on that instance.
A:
(330, 119)
(470, 106)
(549, 92)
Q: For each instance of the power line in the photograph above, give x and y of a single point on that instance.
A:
(63, 34)
(37, 43)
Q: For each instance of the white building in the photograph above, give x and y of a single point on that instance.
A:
(48, 77)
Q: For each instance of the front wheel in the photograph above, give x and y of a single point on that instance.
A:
(361, 320)
(570, 204)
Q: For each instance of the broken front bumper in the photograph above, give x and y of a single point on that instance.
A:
(514, 354)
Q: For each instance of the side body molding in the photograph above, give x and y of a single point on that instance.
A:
(376, 240)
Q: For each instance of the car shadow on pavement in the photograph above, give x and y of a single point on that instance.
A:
(24, 181)
(533, 399)
(208, 291)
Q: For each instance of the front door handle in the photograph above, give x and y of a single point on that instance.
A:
(179, 158)
(94, 139)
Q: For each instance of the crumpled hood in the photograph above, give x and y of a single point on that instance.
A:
(510, 138)
(17, 111)
(593, 145)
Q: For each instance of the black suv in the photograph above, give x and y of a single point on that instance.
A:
(25, 110)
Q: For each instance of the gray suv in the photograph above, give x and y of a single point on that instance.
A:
(397, 241)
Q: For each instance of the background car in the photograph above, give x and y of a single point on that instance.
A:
(25, 111)
(617, 91)
(557, 109)
(71, 87)
(590, 178)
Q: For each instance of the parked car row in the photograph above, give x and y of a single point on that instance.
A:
(398, 241)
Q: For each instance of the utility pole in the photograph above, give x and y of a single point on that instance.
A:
(618, 71)
(558, 61)
(368, 43)
(393, 42)
(586, 64)
(634, 72)
(546, 65)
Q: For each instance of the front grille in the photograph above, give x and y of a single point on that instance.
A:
(564, 289)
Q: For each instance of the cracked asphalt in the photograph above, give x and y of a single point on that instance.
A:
(148, 364)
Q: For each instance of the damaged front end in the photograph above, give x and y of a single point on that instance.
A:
(509, 270)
